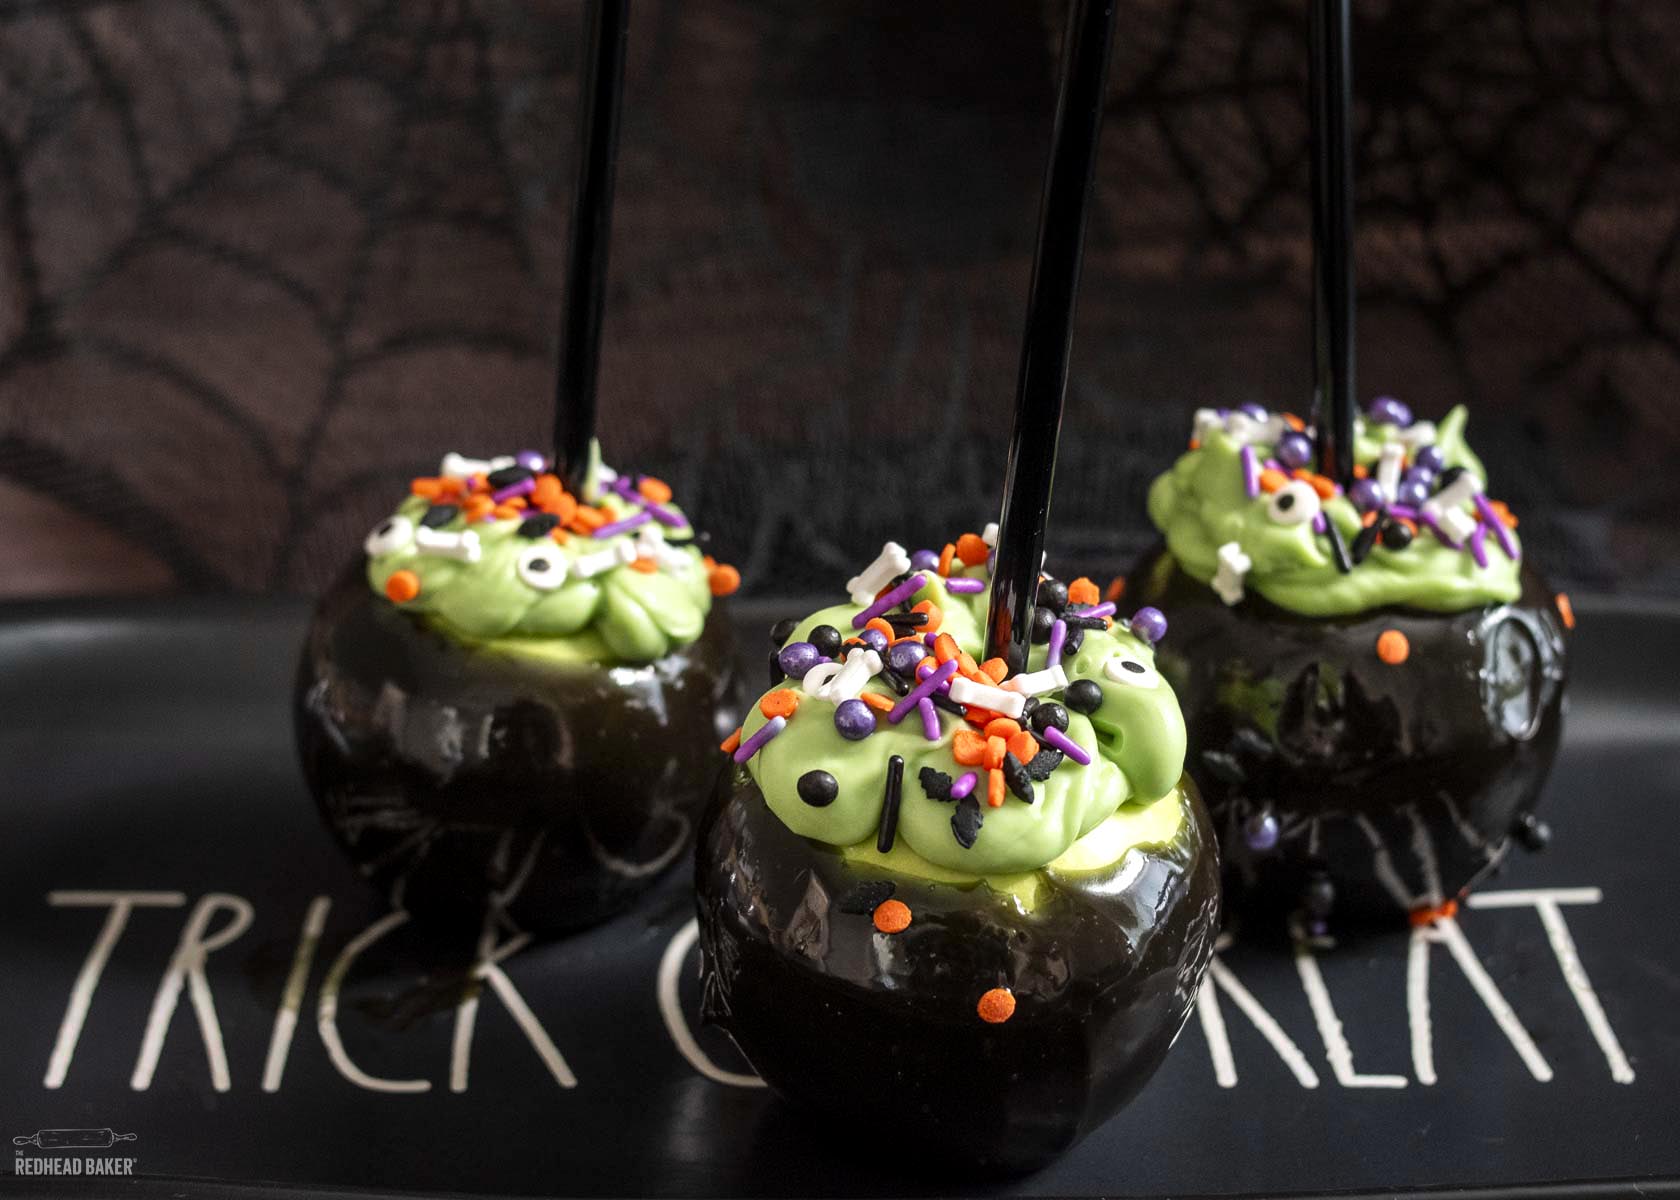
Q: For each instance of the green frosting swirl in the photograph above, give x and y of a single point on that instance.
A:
(619, 615)
(1137, 738)
(1200, 505)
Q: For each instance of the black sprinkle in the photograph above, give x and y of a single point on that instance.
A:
(776, 672)
(1075, 622)
(966, 821)
(891, 678)
(936, 784)
(898, 579)
(1083, 696)
(1223, 766)
(948, 704)
(1338, 548)
(538, 525)
(1045, 761)
(1449, 476)
(782, 630)
(889, 805)
(867, 897)
(439, 515)
(1015, 775)
(1075, 639)
(505, 476)
(826, 639)
(910, 619)
(818, 788)
(1367, 538)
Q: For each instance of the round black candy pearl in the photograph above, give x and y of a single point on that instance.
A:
(781, 630)
(1396, 535)
(439, 515)
(1050, 714)
(1043, 618)
(818, 788)
(1083, 696)
(1053, 595)
(826, 639)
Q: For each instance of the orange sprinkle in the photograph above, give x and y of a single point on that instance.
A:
(892, 916)
(780, 703)
(1360, 471)
(402, 586)
(1420, 917)
(1369, 519)
(1272, 480)
(724, 580)
(1566, 610)
(731, 743)
(645, 565)
(994, 788)
(979, 717)
(590, 518)
(547, 489)
(876, 701)
(1083, 591)
(516, 502)
(945, 557)
(972, 549)
(996, 1006)
(1294, 422)
(1320, 483)
(935, 616)
(504, 512)
(653, 489)
(560, 536)
(994, 669)
(1003, 727)
(427, 487)
(1393, 647)
(1116, 588)
(968, 747)
(996, 748)
(1504, 513)
(1023, 746)
(1195, 443)
(968, 667)
(881, 624)
(928, 661)
(707, 561)
(478, 506)
(945, 648)
(565, 508)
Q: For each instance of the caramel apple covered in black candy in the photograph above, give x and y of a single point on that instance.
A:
(1373, 678)
(513, 701)
(936, 898)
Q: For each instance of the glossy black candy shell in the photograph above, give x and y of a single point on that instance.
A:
(455, 778)
(1400, 783)
(879, 1033)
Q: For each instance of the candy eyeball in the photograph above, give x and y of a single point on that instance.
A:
(1128, 668)
(1295, 503)
(390, 535)
(541, 567)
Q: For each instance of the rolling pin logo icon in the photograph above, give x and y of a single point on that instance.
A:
(73, 1139)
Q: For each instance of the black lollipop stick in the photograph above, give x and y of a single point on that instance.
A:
(600, 102)
(1330, 87)
(1042, 384)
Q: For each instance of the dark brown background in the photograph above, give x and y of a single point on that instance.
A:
(264, 259)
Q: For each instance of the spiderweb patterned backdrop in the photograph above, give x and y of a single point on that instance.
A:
(263, 260)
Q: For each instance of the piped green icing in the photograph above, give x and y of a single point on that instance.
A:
(1200, 504)
(620, 615)
(1136, 738)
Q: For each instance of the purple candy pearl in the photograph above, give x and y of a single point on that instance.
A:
(1386, 410)
(1412, 492)
(529, 459)
(1260, 832)
(1150, 624)
(1294, 450)
(1254, 410)
(924, 560)
(1431, 458)
(797, 658)
(854, 720)
(1366, 494)
(903, 656)
(874, 639)
(1423, 475)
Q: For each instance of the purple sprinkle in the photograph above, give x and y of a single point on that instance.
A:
(1507, 543)
(961, 586)
(1058, 636)
(1320, 524)
(930, 719)
(929, 640)
(962, 787)
(1066, 745)
(926, 687)
(1478, 545)
(756, 742)
(892, 599)
(1105, 609)
(530, 460)
(1404, 511)
(523, 488)
(1440, 534)
(664, 516)
(1273, 464)
(1251, 472)
(614, 528)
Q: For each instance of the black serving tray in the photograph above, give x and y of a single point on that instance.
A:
(146, 748)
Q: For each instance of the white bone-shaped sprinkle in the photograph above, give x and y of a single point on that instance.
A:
(651, 543)
(458, 466)
(989, 534)
(859, 668)
(966, 691)
(1205, 422)
(1036, 683)
(893, 560)
(1389, 459)
(463, 545)
(1446, 507)
(817, 679)
(619, 554)
(1228, 578)
(1418, 434)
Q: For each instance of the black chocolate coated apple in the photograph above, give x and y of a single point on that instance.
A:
(1343, 783)
(458, 779)
(881, 1031)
